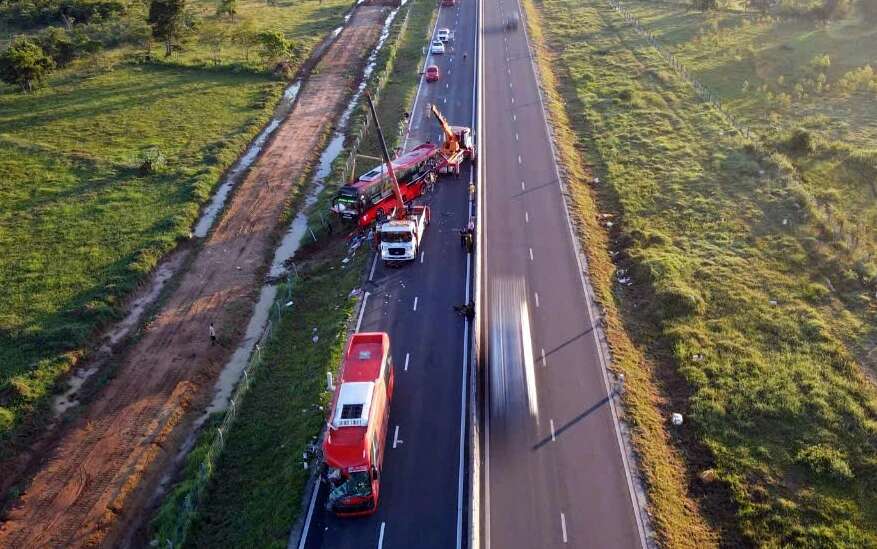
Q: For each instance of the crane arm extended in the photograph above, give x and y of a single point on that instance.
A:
(446, 128)
(400, 209)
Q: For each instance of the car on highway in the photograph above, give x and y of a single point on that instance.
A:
(437, 47)
(443, 34)
(433, 73)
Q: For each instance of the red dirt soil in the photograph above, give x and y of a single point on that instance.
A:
(99, 474)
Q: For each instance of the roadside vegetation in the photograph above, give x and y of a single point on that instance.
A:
(255, 494)
(742, 275)
(107, 155)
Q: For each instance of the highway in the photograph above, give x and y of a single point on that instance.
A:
(423, 500)
(553, 470)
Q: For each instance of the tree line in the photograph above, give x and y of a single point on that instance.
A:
(87, 26)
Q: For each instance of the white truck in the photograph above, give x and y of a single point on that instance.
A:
(401, 238)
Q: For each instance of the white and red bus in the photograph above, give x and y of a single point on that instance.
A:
(353, 449)
(371, 196)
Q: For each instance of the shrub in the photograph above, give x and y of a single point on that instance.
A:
(153, 161)
(58, 45)
(868, 9)
(800, 143)
(32, 13)
(6, 419)
(825, 461)
(25, 65)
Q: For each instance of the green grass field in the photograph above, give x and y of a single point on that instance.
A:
(764, 70)
(749, 307)
(80, 226)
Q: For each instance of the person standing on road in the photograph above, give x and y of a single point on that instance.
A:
(212, 334)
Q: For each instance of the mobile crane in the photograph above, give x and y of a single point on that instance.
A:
(401, 236)
(457, 146)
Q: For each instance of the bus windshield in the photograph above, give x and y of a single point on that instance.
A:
(348, 197)
(355, 485)
(396, 237)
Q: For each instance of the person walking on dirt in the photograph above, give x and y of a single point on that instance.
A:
(212, 334)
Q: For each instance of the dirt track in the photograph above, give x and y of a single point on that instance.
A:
(93, 485)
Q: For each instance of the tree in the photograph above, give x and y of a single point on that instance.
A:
(214, 35)
(227, 7)
(832, 10)
(245, 36)
(704, 5)
(167, 19)
(275, 46)
(868, 9)
(58, 45)
(25, 64)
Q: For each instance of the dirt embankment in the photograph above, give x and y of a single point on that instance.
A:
(94, 482)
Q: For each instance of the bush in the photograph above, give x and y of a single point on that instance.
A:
(32, 13)
(25, 65)
(825, 461)
(58, 45)
(868, 9)
(800, 143)
(154, 161)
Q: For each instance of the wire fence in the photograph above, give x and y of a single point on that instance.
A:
(188, 505)
(702, 91)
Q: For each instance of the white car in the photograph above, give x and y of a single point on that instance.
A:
(443, 35)
(437, 47)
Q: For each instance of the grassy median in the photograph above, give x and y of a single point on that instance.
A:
(718, 305)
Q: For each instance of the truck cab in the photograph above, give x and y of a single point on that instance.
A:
(401, 238)
(353, 448)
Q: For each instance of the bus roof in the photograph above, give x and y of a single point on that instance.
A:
(411, 158)
(365, 357)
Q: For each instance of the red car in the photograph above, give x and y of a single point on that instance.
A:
(432, 73)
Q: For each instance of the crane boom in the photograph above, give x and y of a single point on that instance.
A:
(400, 210)
(451, 145)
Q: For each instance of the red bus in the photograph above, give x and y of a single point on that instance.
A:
(371, 196)
(353, 449)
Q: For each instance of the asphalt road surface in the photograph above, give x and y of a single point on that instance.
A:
(423, 477)
(553, 472)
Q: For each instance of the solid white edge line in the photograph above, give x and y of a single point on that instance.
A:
(314, 492)
(362, 310)
(371, 274)
(381, 536)
(563, 526)
(475, 479)
(622, 448)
